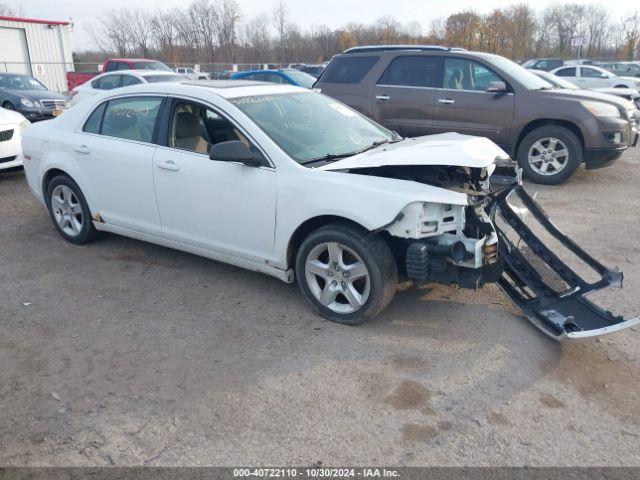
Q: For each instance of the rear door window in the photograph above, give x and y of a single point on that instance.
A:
(412, 71)
(348, 69)
(566, 72)
(130, 80)
(107, 82)
(94, 122)
(591, 73)
(131, 118)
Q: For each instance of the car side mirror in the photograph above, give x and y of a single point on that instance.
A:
(496, 87)
(235, 151)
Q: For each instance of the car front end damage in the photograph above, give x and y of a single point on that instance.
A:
(498, 235)
(503, 236)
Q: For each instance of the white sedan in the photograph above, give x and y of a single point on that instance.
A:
(590, 76)
(120, 78)
(12, 125)
(294, 184)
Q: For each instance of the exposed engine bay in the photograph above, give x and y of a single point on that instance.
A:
(491, 240)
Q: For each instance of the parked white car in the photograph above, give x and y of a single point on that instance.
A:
(191, 74)
(630, 94)
(590, 76)
(294, 184)
(118, 79)
(12, 124)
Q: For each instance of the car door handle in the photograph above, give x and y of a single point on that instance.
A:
(168, 165)
(82, 149)
(383, 98)
(446, 101)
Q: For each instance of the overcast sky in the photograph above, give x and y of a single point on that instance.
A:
(332, 13)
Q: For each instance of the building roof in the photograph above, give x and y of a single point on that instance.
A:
(35, 20)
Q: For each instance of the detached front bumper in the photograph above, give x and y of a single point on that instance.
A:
(541, 281)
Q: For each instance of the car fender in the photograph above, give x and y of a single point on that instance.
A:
(370, 201)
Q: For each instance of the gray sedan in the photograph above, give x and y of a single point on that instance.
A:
(26, 95)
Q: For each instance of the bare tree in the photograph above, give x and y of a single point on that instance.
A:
(165, 34)
(112, 32)
(207, 31)
(226, 22)
(257, 39)
(11, 9)
(281, 22)
(631, 30)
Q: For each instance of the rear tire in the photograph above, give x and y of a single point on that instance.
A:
(69, 211)
(550, 154)
(346, 273)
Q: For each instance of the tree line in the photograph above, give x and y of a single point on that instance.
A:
(217, 31)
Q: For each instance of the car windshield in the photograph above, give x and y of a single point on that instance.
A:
(301, 78)
(529, 63)
(526, 78)
(20, 82)
(163, 78)
(309, 126)
(151, 66)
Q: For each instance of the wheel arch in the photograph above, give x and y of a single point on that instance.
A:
(310, 225)
(50, 175)
(543, 122)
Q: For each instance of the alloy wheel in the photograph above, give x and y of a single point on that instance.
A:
(337, 277)
(548, 156)
(67, 210)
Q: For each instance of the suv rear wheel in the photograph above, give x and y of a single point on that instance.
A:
(346, 273)
(549, 154)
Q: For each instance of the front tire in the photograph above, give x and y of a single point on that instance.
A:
(69, 211)
(8, 106)
(549, 155)
(346, 273)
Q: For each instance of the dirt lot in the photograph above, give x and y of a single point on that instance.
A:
(124, 353)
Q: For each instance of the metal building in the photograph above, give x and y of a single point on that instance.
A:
(36, 47)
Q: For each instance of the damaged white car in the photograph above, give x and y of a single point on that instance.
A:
(294, 184)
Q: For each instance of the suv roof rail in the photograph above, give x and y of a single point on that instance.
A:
(385, 48)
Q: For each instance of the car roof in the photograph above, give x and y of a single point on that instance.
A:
(387, 48)
(221, 88)
(131, 60)
(140, 73)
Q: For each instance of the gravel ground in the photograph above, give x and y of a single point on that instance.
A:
(125, 353)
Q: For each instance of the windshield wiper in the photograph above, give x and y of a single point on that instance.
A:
(329, 157)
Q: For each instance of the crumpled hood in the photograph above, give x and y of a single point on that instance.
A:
(445, 149)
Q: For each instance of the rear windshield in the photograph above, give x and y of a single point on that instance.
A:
(302, 78)
(348, 69)
(163, 78)
(151, 66)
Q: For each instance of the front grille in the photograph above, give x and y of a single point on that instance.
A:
(54, 104)
(7, 159)
(6, 135)
(547, 275)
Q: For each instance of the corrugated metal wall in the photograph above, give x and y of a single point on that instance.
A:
(49, 51)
